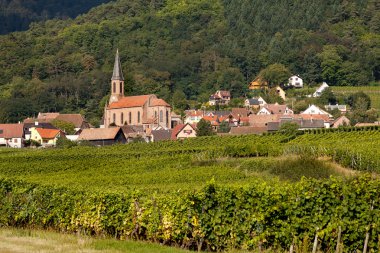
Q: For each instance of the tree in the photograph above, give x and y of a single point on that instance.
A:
(289, 128)
(275, 74)
(67, 127)
(359, 101)
(327, 97)
(224, 127)
(204, 128)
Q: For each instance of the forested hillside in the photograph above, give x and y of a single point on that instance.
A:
(185, 49)
(16, 15)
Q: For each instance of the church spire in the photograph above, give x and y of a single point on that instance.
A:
(117, 72)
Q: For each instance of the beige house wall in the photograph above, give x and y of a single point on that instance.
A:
(186, 132)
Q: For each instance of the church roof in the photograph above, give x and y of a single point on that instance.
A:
(117, 72)
(159, 102)
(132, 101)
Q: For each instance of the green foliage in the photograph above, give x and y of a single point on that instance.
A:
(224, 127)
(265, 215)
(359, 101)
(67, 127)
(65, 143)
(204, 128)
(275, 74)
(194, 47)
(289, 128)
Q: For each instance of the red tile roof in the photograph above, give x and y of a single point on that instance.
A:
(48, 133)
(11, 131)
(324, 117)
(132, 101)
(262, 120)
(159, 102)
(247, 130)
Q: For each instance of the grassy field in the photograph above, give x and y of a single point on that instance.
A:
(372, 91)
(33, 241)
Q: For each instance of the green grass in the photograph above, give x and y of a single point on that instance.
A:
(26, 240)
(372, 91)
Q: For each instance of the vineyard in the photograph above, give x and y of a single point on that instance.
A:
(372, 91)
(209, 193)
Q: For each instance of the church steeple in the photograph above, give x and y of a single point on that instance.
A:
(117, 80)
(117, 72)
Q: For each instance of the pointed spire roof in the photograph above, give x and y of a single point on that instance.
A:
(117, 72)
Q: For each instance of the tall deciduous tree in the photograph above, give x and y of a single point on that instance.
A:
(204, 128)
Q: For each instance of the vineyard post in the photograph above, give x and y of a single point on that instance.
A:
(315, 241)
(367, 234)
(339, 238)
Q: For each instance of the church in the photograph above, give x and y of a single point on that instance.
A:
(144, 110)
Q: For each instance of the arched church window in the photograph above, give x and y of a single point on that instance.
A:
(130, 118)
(167, 117)
(161, 116)
(138, 117)
(121, 88)
(114, 118)
(155, 114)
(114, 87)
(122, 119)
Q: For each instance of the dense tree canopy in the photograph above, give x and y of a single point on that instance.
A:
(185, 50)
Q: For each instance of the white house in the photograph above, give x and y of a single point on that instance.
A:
(315, 110)
(275, 109)
(12, 135)
(320, 90)
(295, 81)
(193, 116)
(254, 102)
(183, 131)
(220, 97)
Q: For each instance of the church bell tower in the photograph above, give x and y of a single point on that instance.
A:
(117, 80)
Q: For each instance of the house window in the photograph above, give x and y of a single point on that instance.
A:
(114, 118)
(15, 140)
(161, 116)
(121, 88)
(122, 119)
(114, 87)
(130, 118)
(138, 117)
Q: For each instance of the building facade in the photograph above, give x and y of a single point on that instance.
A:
(145, 110)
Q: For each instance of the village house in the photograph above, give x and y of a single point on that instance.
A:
(275, 109)
(315, 110)
(303, 124)
(220, 97)
(258, 84)
(146, 110)
(341, 121)
(254, 103)
(46, 137)
(193, 116)
(320, 90)
(281, 93)
(161, 135)
(341, 108)
(103, 136)
(183, 131)
(295, 81)
(12, 135)
(32, 124)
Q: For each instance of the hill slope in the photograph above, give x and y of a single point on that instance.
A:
(16, 15)
(185, 49)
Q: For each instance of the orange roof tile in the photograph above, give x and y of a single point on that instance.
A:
(11, 131)
(132, 101)
(48, 133)
(159, 102)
